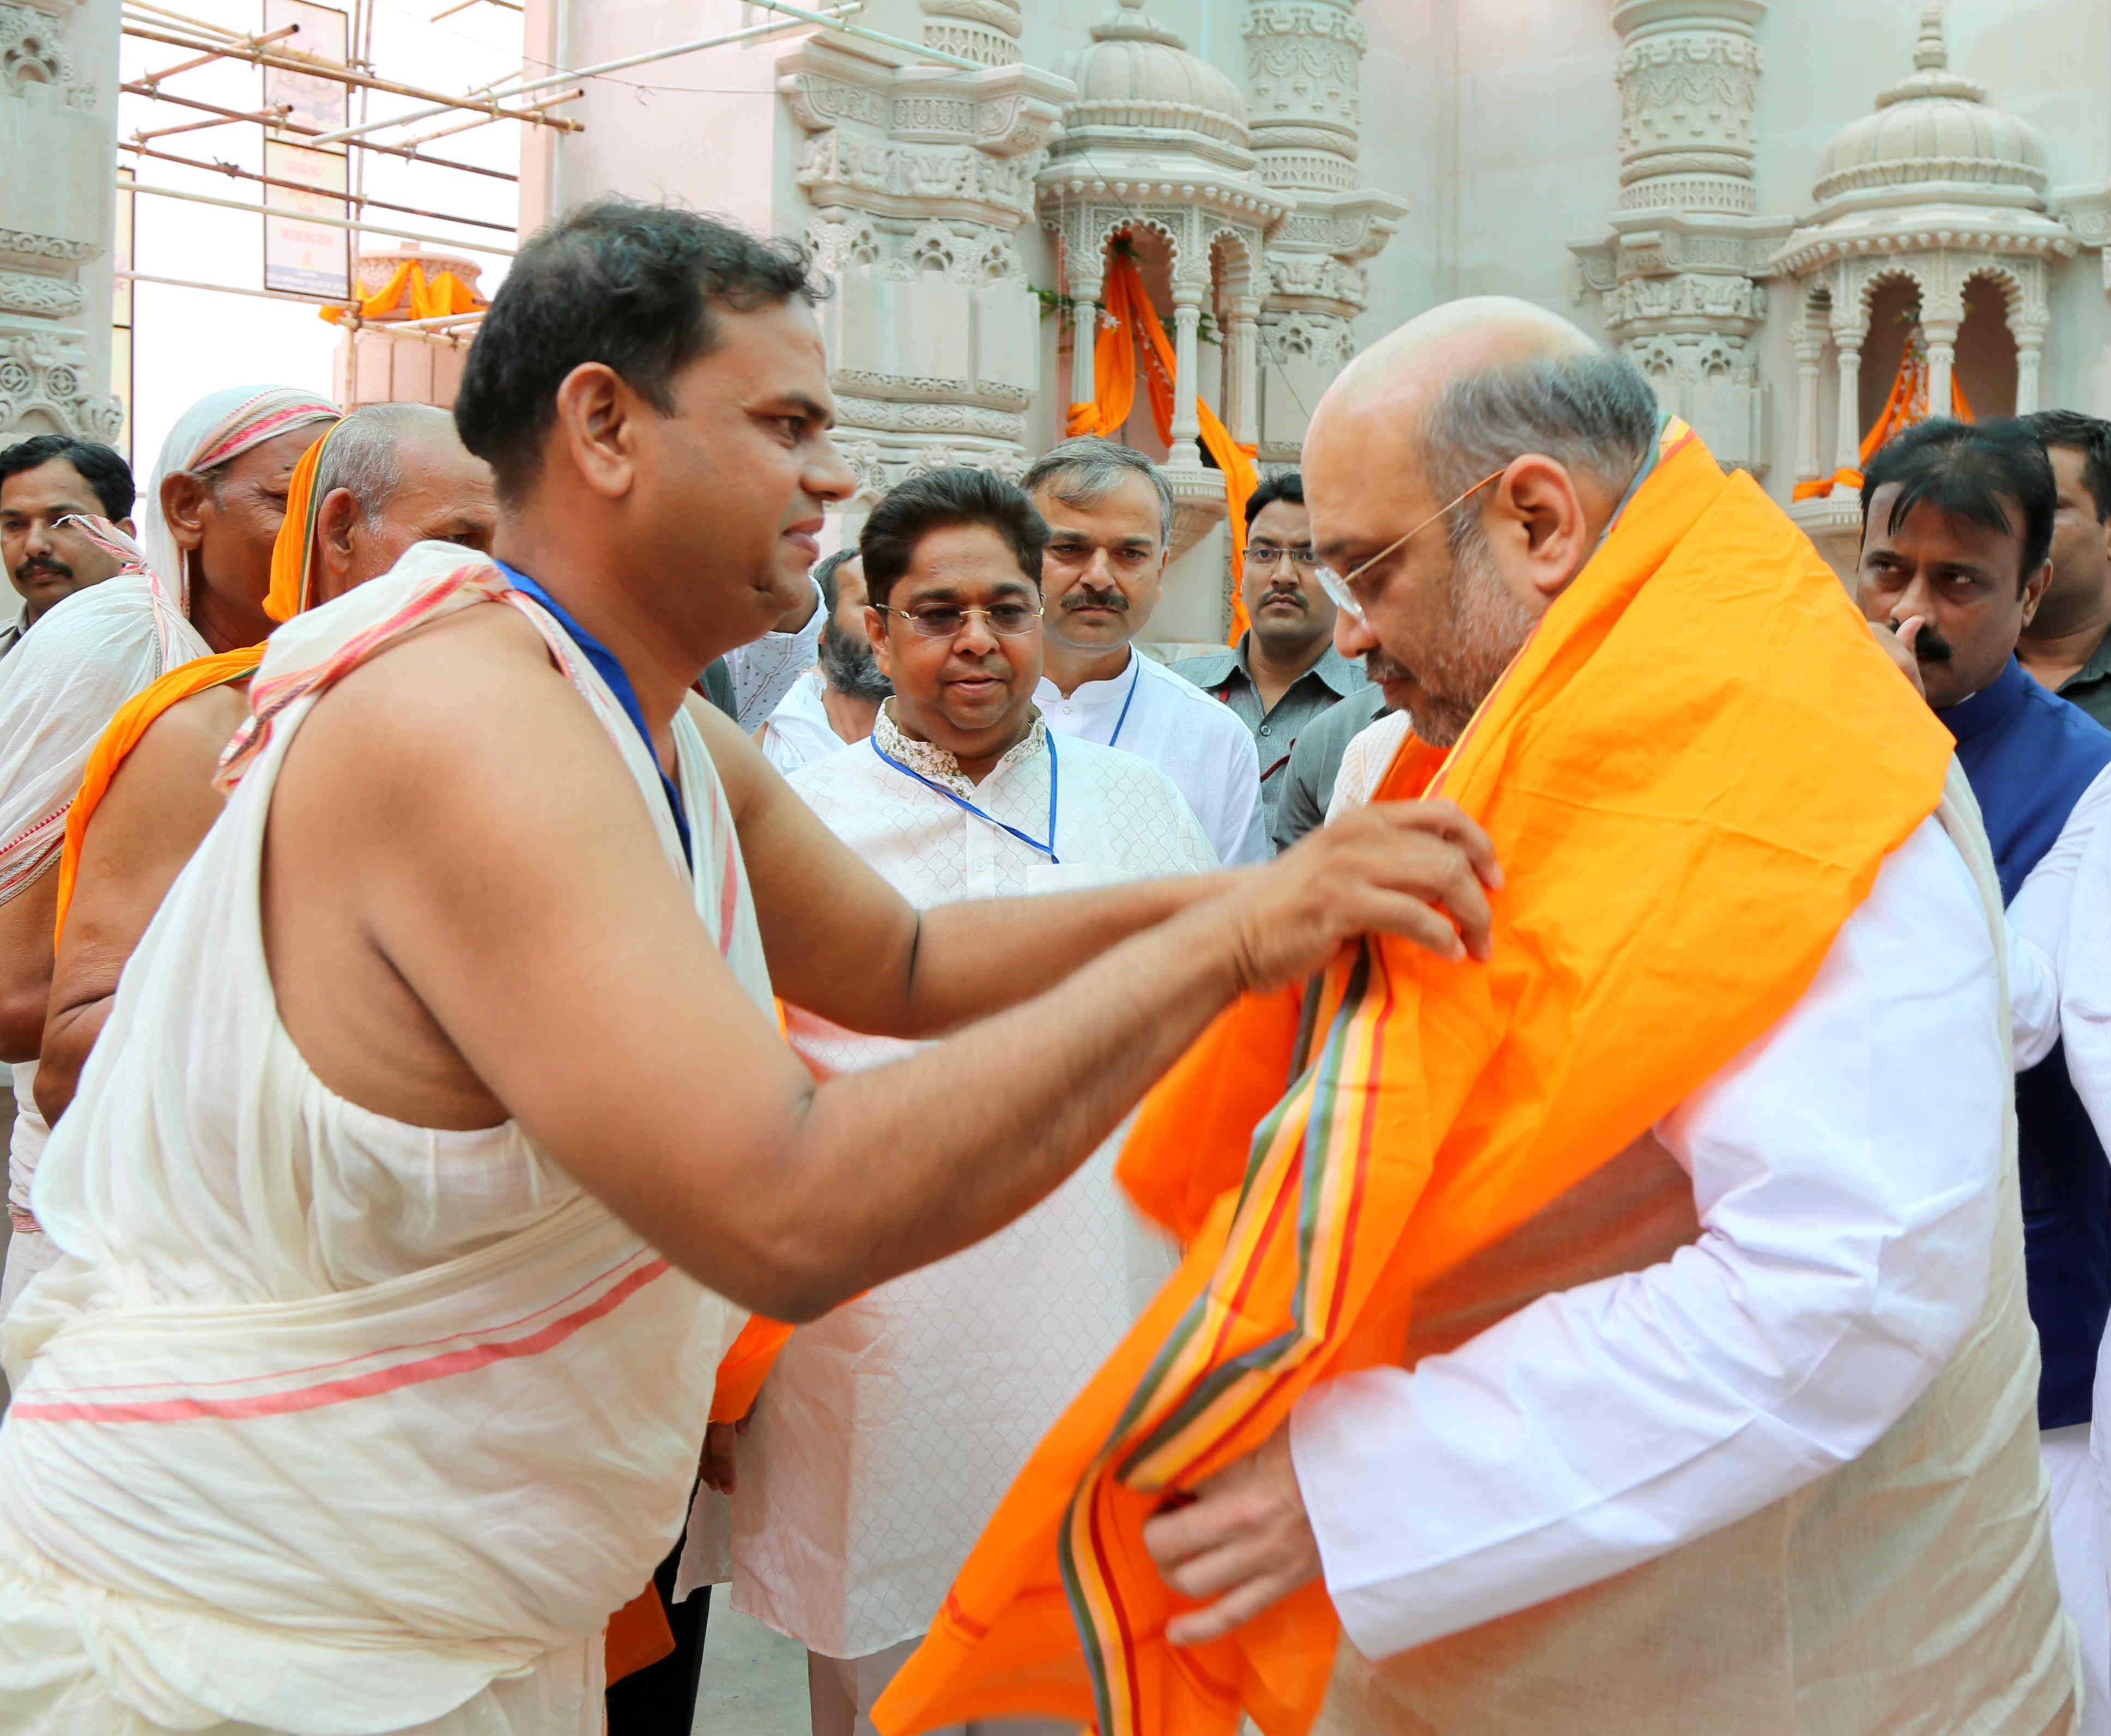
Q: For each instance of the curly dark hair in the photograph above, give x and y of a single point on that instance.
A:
(614, 281)
(1992, 475)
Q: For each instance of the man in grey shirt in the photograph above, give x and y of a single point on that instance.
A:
(1284, 672)
(1308, 781)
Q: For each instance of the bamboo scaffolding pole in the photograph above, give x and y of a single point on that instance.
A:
(234, 289)
(188, 126)
(365, 201)
(277, 118)
(506, 90)
(356, 80)
(232, 49)
(944, 57)
(475, 122)
(454, 241)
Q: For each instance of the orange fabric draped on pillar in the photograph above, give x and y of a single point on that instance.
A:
(1133, 326)
(1904, 405)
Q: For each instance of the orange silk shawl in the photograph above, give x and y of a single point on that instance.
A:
(133, 720)
(1691, 774)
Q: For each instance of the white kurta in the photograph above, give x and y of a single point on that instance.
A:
(1846, 1188)
(888, 1431)
(1202, 746)
(798, 732)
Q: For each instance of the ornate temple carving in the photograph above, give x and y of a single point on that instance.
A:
(1676, 277)
(918, 180)
(1304, 79)
(1936, 189)
(57, 62)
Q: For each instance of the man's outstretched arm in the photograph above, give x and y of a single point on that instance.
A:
(518, 892)
(843, 944)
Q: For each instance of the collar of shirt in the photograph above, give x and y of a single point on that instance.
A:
(10, 635)
(941, 767)
(1992, 706)
(1212, 669)
(1089, 695)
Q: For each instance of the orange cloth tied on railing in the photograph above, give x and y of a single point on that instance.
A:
(1904, 405)
(1681, 837)
(428, 299)
(1133, 325)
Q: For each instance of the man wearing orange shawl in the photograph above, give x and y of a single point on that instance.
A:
(383, 478)
(1628, 1334)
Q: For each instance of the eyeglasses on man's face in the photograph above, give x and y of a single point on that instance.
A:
(1341, 588)
(946, 620)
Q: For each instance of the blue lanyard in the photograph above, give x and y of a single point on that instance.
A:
(1135, 675)
(961, 802)
(618, 678)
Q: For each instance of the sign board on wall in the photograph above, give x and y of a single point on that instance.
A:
(307, 258)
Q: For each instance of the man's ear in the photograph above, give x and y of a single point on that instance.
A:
(186, 498)
(336, 519)
(1535, 521)
(2034, 591)
(128, 527)
(875, 633)
(596, 428)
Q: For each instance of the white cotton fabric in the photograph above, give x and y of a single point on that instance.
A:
(1366, 759)
(1784, 1483)
(764, 670)
(798, 732)
(1201, 745)
(220, 426)
(325, 1424)
(2037, 922)
(888, 1431)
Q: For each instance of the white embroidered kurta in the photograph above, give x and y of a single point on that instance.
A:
(1201, 745)
(327, 1424)
(888, 1431)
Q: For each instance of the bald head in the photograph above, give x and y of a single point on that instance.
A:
(392, 475)
(1468, 465)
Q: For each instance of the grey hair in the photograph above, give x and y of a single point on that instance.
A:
(1593, 412)
(1084, 470)
(362, 454)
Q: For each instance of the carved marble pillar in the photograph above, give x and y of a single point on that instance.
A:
(1809, 355)
(1084, 340)
(1304, 71)
(1185, 454)
(58, 107)
(918, 180)
(2030, 356)
(1847, 452)
(1941, 363)
(1241, 378)
(1677, 274)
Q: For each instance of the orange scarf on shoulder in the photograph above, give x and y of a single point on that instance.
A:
(1691, 775)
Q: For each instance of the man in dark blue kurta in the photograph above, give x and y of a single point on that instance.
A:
(1957, 521)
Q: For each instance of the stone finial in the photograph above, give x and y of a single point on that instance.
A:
(1129, 22)
(1931, 54)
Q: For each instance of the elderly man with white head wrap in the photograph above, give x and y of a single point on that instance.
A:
(209, 519)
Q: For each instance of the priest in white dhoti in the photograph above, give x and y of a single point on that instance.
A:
(209, 521)
(889, 1430)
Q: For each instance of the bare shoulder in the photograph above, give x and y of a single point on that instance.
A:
(188, 736)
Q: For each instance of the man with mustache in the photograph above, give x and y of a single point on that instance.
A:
(44, 481)
(1284, 672)
(1958, 524)
(833, 704)
(1109, 517)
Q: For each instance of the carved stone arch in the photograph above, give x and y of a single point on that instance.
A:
(932, 251)
(1875, 273)
(1236, 269)
(1163, 224)
(2016, 297)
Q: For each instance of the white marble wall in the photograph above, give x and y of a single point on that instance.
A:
(1497, 120)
